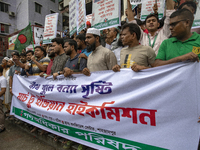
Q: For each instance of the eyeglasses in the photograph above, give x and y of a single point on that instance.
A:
(175, 23)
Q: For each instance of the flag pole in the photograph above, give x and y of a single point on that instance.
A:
(32, 36)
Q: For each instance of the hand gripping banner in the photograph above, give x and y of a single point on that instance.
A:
(155, 109)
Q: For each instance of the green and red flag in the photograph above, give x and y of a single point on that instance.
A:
(24, 38)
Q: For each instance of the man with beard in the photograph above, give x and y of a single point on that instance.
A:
(101, 58)
(8, 96)
(22, 63)
(80, 39)
(29, 54)
(74, 64)
(155, 36)
(51, 55)
(142, 56)
(39, 61)
(60, 59)
(13, 69)
(28, 72)
(23, 58)
(4, 65)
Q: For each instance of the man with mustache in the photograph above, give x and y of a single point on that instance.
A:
(184, 44)
(155, 36)
(141, 56)
(101, 58)
(74, 64)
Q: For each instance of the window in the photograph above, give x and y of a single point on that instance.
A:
(38, 8)
(52, 12)
(3, 7)
(38, 24)
(53, 1)
(4, 28)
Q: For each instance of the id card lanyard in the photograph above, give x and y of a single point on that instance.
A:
(153, 41)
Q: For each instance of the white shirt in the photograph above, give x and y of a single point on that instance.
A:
(162, 34)
(2, 85)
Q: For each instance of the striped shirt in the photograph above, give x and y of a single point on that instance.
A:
(44, 61)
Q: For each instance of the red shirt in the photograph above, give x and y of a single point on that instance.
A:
(48, 72)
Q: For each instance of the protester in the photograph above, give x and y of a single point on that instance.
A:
(29, 54)
(134, 55)
(4, 65)
(80, 39)
(184, 45)
(45, 46)
(8, 96)
(2, 91)
(190, 5)
(101, 58)
(61, 58)
(27, 72)
(155, 37)
(111, 39)
(13, 69)
(5, 69)
(39, 61)
(117, 51)
(52, 56)
(74, 64)
(23, 58)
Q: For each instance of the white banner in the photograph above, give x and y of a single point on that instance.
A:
(11, 42)
(135, 2)
(50, 28)
(196, 23)
(156, 109)
(38, 34)
(81, 15)
(73, 8)
(147, 8)
(106, 14)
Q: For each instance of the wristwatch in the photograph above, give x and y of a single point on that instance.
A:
(58, 72)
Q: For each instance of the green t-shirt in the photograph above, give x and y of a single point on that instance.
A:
(172, 47)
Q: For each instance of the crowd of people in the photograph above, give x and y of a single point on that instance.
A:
(135, 44)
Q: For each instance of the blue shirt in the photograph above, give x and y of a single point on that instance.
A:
(85, 52)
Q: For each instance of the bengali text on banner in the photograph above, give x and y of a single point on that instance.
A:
(155, 109)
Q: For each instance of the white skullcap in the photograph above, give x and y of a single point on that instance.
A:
(94, 31)
(11, 59)
(6, 58)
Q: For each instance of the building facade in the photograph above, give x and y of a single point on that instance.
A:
(16, 14)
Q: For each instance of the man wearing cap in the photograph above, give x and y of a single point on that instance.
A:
(13, 69)
(4, 65)
(101, 58)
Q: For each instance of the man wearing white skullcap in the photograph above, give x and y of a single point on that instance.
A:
(5, 68)
(4, 65)
(101, 58)
(8, 96)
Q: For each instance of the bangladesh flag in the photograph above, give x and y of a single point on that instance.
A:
(24, 38)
